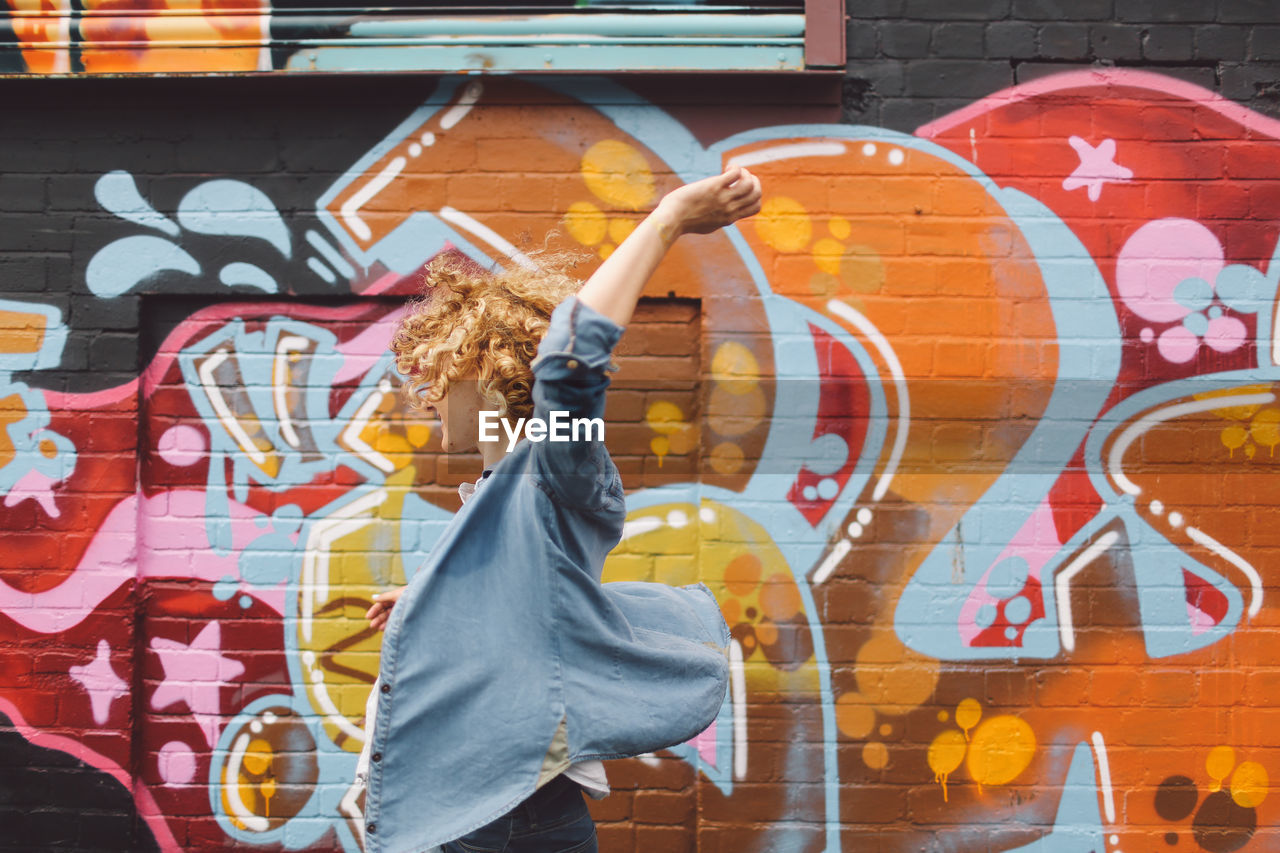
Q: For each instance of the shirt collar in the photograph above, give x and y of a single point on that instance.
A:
(467, 490)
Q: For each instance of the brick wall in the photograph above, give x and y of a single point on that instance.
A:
(971, 431)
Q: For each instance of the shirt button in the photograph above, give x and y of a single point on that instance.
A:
(572, 364)
(386, 688)
(372, 828)
(377, 756)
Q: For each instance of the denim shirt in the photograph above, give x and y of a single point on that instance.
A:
(506, 630)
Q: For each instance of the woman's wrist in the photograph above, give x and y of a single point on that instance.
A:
(668, 219)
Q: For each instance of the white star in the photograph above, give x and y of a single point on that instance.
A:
(101, 682)
(195, 674)
(1097, 167)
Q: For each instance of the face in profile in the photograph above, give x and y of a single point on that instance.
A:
(459, 414)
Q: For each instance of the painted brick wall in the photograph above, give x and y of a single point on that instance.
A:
(972, 431)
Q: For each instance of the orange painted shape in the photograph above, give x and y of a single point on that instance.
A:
(21, 331)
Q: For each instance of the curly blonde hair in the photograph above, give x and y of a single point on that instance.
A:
(468, 321)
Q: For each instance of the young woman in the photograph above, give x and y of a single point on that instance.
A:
(508, 671)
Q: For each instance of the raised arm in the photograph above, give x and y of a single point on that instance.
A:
(696, 208)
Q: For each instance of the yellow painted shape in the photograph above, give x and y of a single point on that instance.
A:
(895, 678)
(618, 174)
(854, 717)
(343, 652)
(783, 223)
(745, 571)
(1265, 428)
(946, 753)
(1235, 413)
(620, 229)
(968, 713)
(1234, 436)
(727, 458)
(1249, 784)
(735, 368)
(875, 755)
(664, 417)
(1219, 763)
(827, 254)
(586, 223)
(1002, 748)
(257, 757)
(839, 228)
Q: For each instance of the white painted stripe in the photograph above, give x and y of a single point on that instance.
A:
(1062, 584)
(788, 152)
(1131, 433)
(882, 345)
(1104, 775)
(844, 546)
(280, 384)
(228, 420)
(738, 690)
(1255, 580)
(458, 111)
(487, 234)
(351, 435)
(640, 526)
(313, 585)
(331, 254)
(351, 207)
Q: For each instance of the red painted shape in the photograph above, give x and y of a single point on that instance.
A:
(1205, 597)
(842, 411)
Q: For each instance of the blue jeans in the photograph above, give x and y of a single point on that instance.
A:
(554, 820)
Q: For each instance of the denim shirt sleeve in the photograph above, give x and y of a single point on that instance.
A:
(571, 376)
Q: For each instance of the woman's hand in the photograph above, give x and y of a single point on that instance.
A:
(711, 203)
(697, 208)
(380, 612)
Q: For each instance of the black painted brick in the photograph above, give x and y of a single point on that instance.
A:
(1244, 81)
(1264, 43)
(1249, 11)
(953, 40)
(1167, 42)
(23, 273)
(876, 9)
(1010, 40)
(120, 313)
(1062, 10)
(956, 10)
(113, 353)
(1115, 41)
(904, 39)
(1217, 41)
(906, 114)
(1166, 11)
(887, 78)
(20, 193)
(1064, 41)
(22, 233)
(860, 41)
(951, 78)
(74, 192)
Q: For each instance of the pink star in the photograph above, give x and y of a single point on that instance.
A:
(194, 674)
(101, 682)
(1097, 167)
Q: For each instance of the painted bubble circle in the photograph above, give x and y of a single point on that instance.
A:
(176, 762)
(182, 445)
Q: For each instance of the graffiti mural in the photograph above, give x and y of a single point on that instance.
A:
(973, 447)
